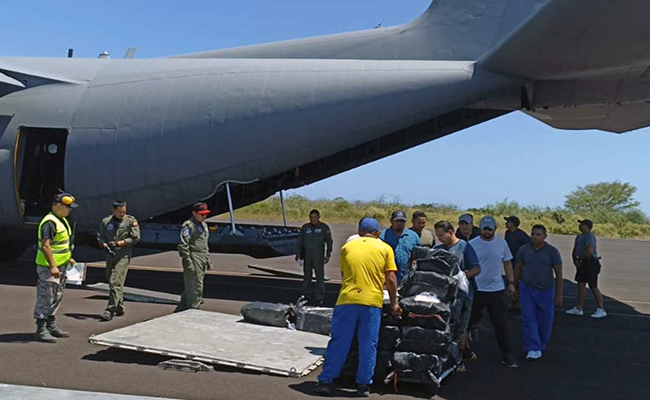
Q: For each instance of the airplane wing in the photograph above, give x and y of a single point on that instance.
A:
(575, 39)
(611, 118)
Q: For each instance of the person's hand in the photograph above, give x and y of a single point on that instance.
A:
(54, 272)
(72, 261)
(297, 259)
(106, 245)
(113, 244)
(558, 300)
(512, 291)
(396, 310)
(327, 259)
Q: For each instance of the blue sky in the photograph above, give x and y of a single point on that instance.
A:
(514, 157)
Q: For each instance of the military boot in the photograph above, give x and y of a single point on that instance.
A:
(107, 315)
(55, 330)
(42, 334)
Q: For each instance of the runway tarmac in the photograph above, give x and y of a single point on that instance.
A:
(587, 358)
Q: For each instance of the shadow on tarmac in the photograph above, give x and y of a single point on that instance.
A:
(18, 337)
(81, 316)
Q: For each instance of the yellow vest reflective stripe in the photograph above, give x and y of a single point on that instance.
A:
(61, 249)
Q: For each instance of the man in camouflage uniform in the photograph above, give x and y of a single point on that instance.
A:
(53, 256)
(117, 233)
(314, 237)
(195, 254)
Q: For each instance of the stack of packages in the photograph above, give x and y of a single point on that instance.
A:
(421, 347)
(300, 316)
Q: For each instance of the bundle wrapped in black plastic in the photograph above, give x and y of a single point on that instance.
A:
(388, 338)
(435, 260)
(454, 319)
(416, 282)
(270, 314)
(404, 361)
(419, 340)
(427, 311)
(314, 319)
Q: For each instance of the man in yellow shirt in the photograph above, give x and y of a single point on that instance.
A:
(366, 264)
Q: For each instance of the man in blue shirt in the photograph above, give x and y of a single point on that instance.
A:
(586, 260)
(470, 265)
(402, 240)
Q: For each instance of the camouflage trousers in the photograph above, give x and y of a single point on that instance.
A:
(49, 292)
(116, 271)
(193, 275)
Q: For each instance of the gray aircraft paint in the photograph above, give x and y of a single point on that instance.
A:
(186, 124)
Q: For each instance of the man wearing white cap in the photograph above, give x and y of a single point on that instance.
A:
(494, 256)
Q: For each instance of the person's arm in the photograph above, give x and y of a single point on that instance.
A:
(510, 275)
(329, 243)
(519, 266)
(184, 244)
(574, 254)
(559, 283)
(471, 258)
(589, 251)
(391, 286)
(46, 248)
(518, 270)
(299, 244)
(134, 234)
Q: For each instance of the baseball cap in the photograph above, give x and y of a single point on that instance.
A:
(587, 222)
(369, 225)
(488, 222)
(514, 219)
(398, 216)
(201, 208)
(65, 198)
(466, 218)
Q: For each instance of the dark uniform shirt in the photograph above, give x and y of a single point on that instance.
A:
(314, 238)
(476, 232)
(538, 265)
(112, 229)
(515, 240)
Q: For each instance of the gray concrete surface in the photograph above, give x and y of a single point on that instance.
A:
(586, 359)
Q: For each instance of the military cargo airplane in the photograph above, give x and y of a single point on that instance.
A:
(232, 127)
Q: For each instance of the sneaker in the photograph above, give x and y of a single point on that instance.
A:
(461, 368)
(533, 355)
(470, 356)
(119, 313)
(575, 311)
(363, 391)
(107, 316)
(509, 362)
(600, 313)
(323, 389)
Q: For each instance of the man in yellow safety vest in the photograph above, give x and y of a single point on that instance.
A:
(53, 256)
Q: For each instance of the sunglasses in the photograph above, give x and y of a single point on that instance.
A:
(488, 229)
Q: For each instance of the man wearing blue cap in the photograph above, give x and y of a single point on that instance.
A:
(366, 264)
(402, 240)
(494, 256)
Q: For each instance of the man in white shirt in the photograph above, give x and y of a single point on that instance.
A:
(494, 256)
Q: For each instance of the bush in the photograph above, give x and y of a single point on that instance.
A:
(628, 224)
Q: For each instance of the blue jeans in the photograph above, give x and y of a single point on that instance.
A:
(537, 312)
(348, 319)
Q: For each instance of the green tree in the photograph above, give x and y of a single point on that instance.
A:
(604, 198)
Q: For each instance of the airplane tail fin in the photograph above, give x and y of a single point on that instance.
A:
(455, 30)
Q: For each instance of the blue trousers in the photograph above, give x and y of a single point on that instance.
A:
(537, 312)
(347, 320)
